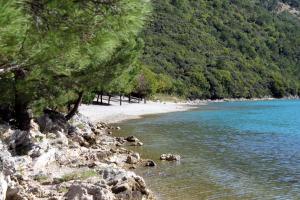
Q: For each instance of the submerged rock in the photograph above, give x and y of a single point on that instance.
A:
(170, 157)
(132, 139)
(150, 163)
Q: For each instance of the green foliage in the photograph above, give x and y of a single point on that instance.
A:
(219, 49)
(145, 82)
(12, 30)
(52, 50)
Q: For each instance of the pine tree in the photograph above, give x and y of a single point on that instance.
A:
(52, 51)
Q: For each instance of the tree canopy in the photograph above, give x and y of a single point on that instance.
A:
(52, 51)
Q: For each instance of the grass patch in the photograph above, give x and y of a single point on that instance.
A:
(78, 176)
(41, 178)
(38, 138)
(81, 126)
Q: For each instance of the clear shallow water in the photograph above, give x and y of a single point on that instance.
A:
(234, 150)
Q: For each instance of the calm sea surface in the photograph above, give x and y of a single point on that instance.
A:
(233, 150)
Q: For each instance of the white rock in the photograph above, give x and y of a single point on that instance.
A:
(170, 157)
(133, 158)
(3, 187)
(86, 191)
(61, 138)
(45, 159)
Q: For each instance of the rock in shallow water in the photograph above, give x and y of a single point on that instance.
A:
(132, 139)
(133, 158)
(170, 157)
(150, 163)
(138, 144)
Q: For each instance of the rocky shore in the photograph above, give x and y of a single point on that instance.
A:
(74, 160)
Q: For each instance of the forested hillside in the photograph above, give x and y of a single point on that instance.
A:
(224, 48)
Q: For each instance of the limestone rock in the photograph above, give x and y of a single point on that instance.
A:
(138, 144)
(31, 161)
(98, 131)
(86, 191)
(7, 163)
(34, 126)
(20, 142)
(3, 187)
(170, 157)
(80, 140)
(125, 184)
(61, 138)
(5, 132)
(16, 191)
(132, 139)
(133, 158)
(150, 163)
(45, 159)
(53, 121)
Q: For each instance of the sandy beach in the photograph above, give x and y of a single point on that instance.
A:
(116, 113)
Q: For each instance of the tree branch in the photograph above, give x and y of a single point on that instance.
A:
(9, 68)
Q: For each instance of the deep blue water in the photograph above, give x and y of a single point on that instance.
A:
(232, 150)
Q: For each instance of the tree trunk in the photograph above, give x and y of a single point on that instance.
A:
(145, 101)
(109, 97)
(120, 99)
(98, 98)
(101, 98)
(76, 106)
(22, 114)
(69, 107)
(129, 99)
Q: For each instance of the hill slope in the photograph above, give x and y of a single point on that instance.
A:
(224, 48)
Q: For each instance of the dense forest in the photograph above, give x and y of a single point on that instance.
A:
(224, 48)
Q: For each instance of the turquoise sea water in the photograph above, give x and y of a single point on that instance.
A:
(232, 150)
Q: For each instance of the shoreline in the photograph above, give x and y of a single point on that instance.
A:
(114, 113)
